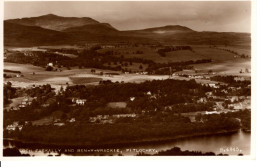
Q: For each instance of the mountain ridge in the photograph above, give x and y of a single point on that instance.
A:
(53, 22)
(73, 30)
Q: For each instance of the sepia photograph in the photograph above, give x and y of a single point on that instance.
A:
(127, 78)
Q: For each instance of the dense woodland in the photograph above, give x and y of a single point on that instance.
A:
(162, 52)
(156, 121)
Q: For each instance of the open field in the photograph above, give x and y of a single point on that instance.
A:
(117, 104)
(83, 80)
(43, 121)
(74, 76)
(22, 49)
(239, 49)
(15, 102)
(199, 52)
(212, 53)
(232, 67)
(24, 68)
(223, 63)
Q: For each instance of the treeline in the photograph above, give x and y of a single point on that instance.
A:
(101, 134)
(9, 93)
(162, 52)
(89, 58)
(164, 68)
(39, 58)
(175, 93)
(64, 50)
(12, 71)
(171, 89)
(231, 81)
(233, 52)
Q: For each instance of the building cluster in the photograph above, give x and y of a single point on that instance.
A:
(78, 101)
(14, 126)
(110, 118)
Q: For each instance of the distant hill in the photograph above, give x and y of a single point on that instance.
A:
(165, 29)
(51, 29)
(54, 22)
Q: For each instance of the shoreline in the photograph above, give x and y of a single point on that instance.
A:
(119, 144)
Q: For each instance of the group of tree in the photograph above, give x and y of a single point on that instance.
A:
(162, 52)
(242, 55)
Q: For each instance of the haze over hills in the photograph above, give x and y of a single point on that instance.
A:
(166, 29)
(51, 29)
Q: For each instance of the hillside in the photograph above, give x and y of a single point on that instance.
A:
(20, 35)
(99, 28)
(54, 22)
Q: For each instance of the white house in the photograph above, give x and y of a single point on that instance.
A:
(72, 120)
(132, 98)
(81, 101)
(212, 85)
(211, 112)
(50, 64)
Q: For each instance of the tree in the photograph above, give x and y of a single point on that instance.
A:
(93, 70)
(49, 68)
(198, 117)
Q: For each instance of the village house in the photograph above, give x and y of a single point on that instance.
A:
(124, 115)
(26, 102)
(202, 100)
(107, 46)
(211, 112)
(239, 79)
(208, 94)
(59, 124)
(132, 98)
(14, 126)
(14, 108)
(79, 101)
(50, 64)
(224, 91)
(19, 75)
(72, 120)
(212, 85)
(101, 119)
(109, 119)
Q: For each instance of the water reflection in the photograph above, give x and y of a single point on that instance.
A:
(232, 144)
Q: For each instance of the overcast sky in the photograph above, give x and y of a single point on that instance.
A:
(200, 16)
